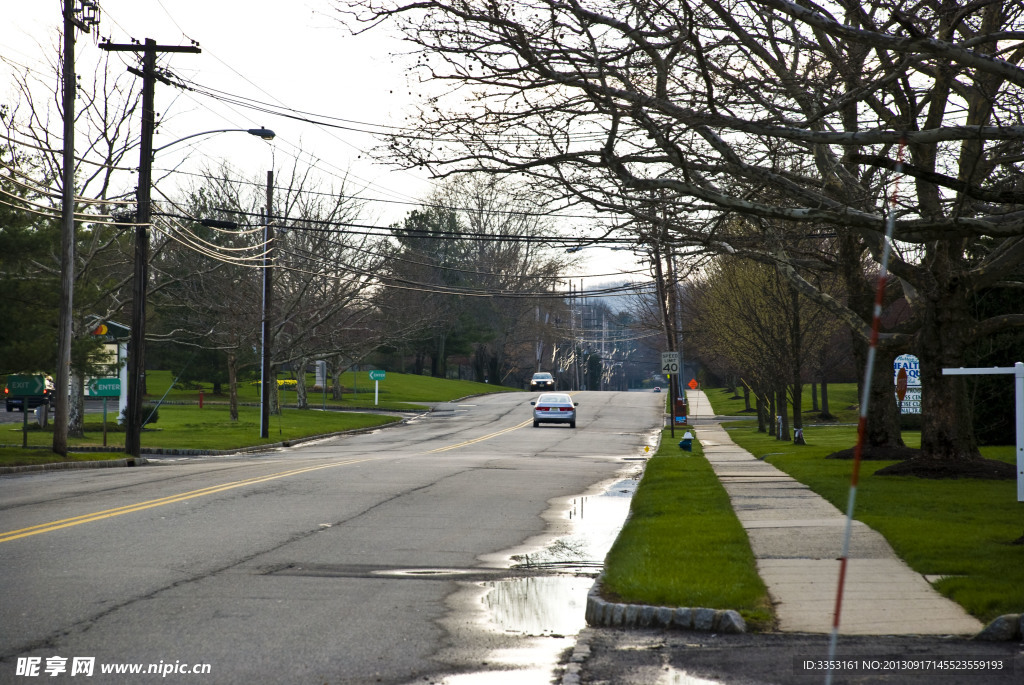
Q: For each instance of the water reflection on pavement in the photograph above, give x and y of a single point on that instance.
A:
(544, 610)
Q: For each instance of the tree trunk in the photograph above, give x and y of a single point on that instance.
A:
(796, 345)
(440, 366)
(947, 428)
(798, 407)
(780, 396)
(814, 397)
(301, 396)
(759, 404)
(336, 370)
(273, 392)
(233, 386)
(76, 407)
(882, 431)
(480, 364)
(883, 425)
(825, 413)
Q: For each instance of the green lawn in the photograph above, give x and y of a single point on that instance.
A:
(682, 545)
(210, 428)
(843, 403)
(961, 529)
(399, 391)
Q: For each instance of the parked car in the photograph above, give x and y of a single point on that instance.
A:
(554, 408)
(542, 381)
(19, 403)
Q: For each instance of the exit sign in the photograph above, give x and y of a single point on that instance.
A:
(20, 386)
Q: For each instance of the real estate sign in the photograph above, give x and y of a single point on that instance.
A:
(908, 364)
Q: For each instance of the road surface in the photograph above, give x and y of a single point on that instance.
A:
(334, 562)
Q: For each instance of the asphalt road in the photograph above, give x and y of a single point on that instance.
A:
(334, 562)
(91, 407)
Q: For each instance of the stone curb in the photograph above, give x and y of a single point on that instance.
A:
(580, 654)
(1005, 628)
(601, 613)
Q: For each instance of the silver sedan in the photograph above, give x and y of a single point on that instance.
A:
(554, 408)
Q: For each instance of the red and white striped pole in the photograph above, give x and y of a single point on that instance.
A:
(883, 274)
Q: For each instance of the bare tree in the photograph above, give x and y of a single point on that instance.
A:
(803, 114)
(106, 137)
(324, 277)
(475, 262)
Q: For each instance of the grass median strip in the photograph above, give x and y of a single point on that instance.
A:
(682, 545)
(961, 533)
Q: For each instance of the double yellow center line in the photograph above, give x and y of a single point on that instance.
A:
(482, 438)
(211, 490)
(170, 499)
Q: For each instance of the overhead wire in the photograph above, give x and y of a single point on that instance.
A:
(186, 239)
(251, 103)
(327, 120)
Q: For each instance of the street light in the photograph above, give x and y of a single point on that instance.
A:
(137, 341)
(264, 133)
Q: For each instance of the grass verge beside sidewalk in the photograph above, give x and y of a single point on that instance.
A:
(682, 545)
(959, 531)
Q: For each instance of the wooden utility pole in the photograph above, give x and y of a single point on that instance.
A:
(268, 292)
(83, 18)
(137, 344)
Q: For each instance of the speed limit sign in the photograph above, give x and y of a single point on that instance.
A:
(670, 362)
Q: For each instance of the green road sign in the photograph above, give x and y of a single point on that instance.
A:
(19, 386)
(377, 375)
(104, 387)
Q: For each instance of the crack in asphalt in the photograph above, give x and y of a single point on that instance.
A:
(84, 624)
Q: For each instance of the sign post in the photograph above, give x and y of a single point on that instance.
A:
(105, 387)
(23, 387)
(670, 367)
(376, 376)
(1018, 377)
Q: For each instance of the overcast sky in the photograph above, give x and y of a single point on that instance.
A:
(295, 55)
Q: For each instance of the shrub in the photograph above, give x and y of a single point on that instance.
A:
(147, 409)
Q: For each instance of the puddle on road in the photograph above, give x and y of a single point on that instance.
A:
(545, 612)
(676, 677)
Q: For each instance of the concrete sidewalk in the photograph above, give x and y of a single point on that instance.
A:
(797, 538)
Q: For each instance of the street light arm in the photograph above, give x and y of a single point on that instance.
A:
(264, 133)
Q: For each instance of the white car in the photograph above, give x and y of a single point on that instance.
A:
(554, 408)
(542, 381)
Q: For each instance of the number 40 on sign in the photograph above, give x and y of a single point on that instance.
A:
(670, 363)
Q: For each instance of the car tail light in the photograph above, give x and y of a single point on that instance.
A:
(543, 408)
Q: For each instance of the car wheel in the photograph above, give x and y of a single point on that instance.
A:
(536, 424)
(572, 424)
